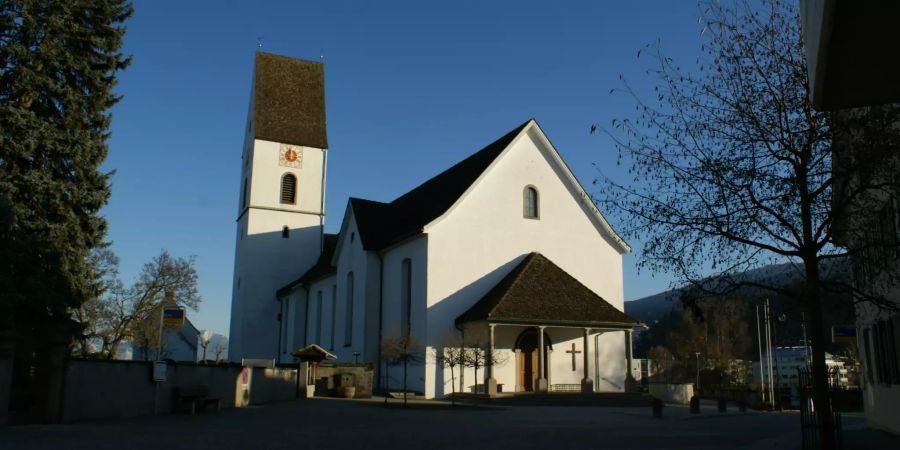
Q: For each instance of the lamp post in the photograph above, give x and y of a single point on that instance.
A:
(698, 373)
(356, 357)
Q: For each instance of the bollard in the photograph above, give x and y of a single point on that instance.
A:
(695, 405)
(723, 405)
(657, 408)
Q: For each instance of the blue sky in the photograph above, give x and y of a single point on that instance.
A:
(411, 88)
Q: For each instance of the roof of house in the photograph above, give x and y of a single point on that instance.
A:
(539, 292)
(289, 101)
(320, 269)
(383, 224)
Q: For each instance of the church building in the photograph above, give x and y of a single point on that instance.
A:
(503, 252)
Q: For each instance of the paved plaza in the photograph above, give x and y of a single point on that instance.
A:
(344, 424)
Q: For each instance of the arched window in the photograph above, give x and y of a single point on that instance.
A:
(286, 232)
(406, 296)
(348, 320)
(333, 312)
(289, 189)
(319, 318)
(531, 203)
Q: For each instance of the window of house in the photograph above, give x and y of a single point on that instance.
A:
(348, 320)
(289, 189)
(406, 296)
(285, 232)
(531, 203)
(319, 318)
(333, 312)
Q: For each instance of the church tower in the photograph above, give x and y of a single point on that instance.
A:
(281, 204)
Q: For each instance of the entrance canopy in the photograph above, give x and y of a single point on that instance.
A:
(312, 352)
(538, 292)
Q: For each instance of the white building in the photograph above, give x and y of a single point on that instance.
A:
(787, 363)
(503, 251)
(847, 71)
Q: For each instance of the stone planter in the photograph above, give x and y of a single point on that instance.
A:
(348, 391)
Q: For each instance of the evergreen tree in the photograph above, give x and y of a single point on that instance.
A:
(58, 65)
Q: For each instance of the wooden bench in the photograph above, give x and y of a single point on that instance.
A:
(194, 398)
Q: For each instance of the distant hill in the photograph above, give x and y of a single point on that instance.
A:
(655, 307)
(660, 311)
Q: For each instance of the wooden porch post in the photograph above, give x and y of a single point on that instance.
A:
(542, 381)
(489, 364)
(587, 385)
(630, 383)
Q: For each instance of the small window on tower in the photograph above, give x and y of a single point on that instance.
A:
(244, 195)
(286, 232)
(288, 189)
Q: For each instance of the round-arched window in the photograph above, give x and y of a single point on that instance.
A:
(531, 206)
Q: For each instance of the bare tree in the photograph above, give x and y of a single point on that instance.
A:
(451, 356)
(205, 340)
(401, 349)
(218, 351)
(732, 169)
(476, 354)
(145, 335)
(116, 314)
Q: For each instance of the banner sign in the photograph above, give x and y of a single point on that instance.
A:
(173, 317)
(843, 335)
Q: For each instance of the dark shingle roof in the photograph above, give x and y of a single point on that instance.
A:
(384, 224)
(537, 291)
(320, 269)
(290, 100)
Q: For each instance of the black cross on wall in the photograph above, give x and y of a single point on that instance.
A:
(574, 355)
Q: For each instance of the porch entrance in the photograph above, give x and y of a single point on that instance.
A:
(527, 360)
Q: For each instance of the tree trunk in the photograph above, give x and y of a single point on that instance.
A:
(452, 386)
(821, 400)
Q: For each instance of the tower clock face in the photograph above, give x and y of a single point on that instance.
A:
(290, 156)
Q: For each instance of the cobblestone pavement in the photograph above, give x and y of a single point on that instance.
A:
(345, 424)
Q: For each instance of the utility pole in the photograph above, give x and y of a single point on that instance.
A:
(770, 357)
(762, 376)
(698, 373)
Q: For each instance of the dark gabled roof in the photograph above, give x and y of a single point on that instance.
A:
(370, 215)
(537, 291)
(289, 96)
(384, 224)
(320, 269)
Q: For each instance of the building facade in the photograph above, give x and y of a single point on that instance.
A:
(503, 252)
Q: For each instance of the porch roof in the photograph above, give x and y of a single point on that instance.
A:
(538, 292)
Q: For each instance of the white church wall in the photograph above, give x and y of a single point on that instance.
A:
(297, 317)
(560, 362)
(416, 251)
(351, 257)
(264, 259)
(485, 235)
(319, 327)
(264, 262)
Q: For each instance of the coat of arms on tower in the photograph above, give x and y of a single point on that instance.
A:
(290, 156)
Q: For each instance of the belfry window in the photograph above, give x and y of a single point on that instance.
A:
(289, 189)
(530, 203)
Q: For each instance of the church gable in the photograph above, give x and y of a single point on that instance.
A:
(525, 175)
